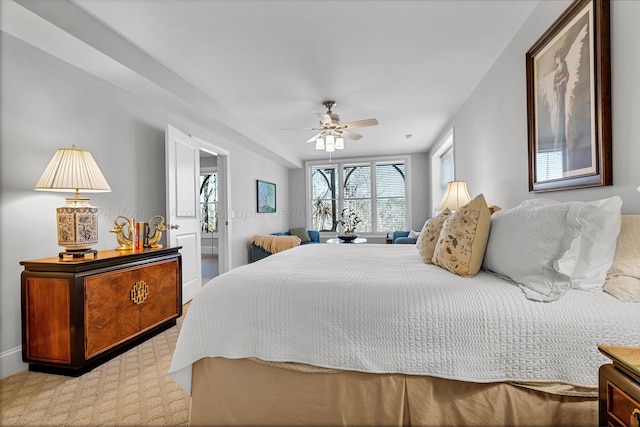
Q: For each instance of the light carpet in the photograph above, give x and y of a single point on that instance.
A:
(132, 389)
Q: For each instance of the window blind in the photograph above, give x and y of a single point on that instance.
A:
(447, 171)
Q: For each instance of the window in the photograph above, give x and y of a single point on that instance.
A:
(209, 202)
(376, 190)
(446, 170)
(391, 200)
(442, 168)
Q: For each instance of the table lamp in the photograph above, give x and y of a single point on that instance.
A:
(455, 196)
(72, 170)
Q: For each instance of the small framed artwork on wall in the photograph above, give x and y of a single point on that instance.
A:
(266, 197)
(569, 101)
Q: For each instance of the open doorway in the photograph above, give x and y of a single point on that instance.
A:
(209, 192)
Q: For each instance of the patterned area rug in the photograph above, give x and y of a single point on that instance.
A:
(132, 389)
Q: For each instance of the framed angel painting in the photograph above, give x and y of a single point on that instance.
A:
(569, 101)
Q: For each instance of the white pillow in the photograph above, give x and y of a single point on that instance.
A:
(536, 247)
(414, 234)
(600, 222)
(623, 279)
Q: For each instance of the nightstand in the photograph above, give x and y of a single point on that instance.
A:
(619, 386)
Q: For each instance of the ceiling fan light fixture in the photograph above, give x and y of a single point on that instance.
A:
(332, 131)
(330, 140)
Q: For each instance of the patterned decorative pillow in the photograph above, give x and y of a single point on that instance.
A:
(623, 279)
(429, 235)
(463, 239)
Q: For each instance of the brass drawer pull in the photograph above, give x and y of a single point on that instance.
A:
(635, 418)
(139, 292)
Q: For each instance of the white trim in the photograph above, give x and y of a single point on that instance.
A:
(11, 362)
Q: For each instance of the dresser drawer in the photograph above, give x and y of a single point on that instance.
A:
(622, 397)
(620, 405)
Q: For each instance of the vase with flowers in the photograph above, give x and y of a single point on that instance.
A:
(349, 220)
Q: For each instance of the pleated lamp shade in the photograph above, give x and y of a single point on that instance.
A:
(455, 196)
(75, 170)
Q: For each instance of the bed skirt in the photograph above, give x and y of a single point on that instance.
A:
(243, 392)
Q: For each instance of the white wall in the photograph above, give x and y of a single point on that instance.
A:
(47, 104)
(491, 128)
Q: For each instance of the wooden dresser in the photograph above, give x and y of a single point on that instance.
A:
(619, 387)
(79, 313)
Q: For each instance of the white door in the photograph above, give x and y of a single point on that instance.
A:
(183, 206)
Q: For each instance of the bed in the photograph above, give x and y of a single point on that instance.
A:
(372, 335)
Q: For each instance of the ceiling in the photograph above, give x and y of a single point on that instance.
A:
(249, 68)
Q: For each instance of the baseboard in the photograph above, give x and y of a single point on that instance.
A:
(11, 362)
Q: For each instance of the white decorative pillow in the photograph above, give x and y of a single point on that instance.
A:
(600, 222)
(601, 227)
(429, 235)
(536, 247)
(414, 234)
(463, 239)
(623, 280)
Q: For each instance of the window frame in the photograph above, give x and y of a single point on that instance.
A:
(446, 143)
(340, 164)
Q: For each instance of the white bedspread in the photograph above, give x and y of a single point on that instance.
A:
(380, 309)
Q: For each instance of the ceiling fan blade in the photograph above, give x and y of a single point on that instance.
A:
(359, 123)
(325, 119)
(313, 138)
(301, 129)
(350, 135)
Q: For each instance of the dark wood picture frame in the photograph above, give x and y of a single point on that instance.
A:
(266, 196)
(569, 101)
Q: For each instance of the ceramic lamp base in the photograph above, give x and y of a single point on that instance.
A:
(77, 225)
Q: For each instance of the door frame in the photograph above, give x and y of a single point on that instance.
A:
(224, 205)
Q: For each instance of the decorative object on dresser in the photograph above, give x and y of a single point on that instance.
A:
(619, 386)
(127, 235)
(78, 313)
(568, 74)
(455, 196)
(72, 170)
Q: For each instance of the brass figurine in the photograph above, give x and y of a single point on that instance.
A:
(125, 240)
(154, 239)
(124, 232)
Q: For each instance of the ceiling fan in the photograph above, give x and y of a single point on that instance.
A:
(332, 132)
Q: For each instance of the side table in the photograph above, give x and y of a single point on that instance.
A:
(338, 241)
(619, 386)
